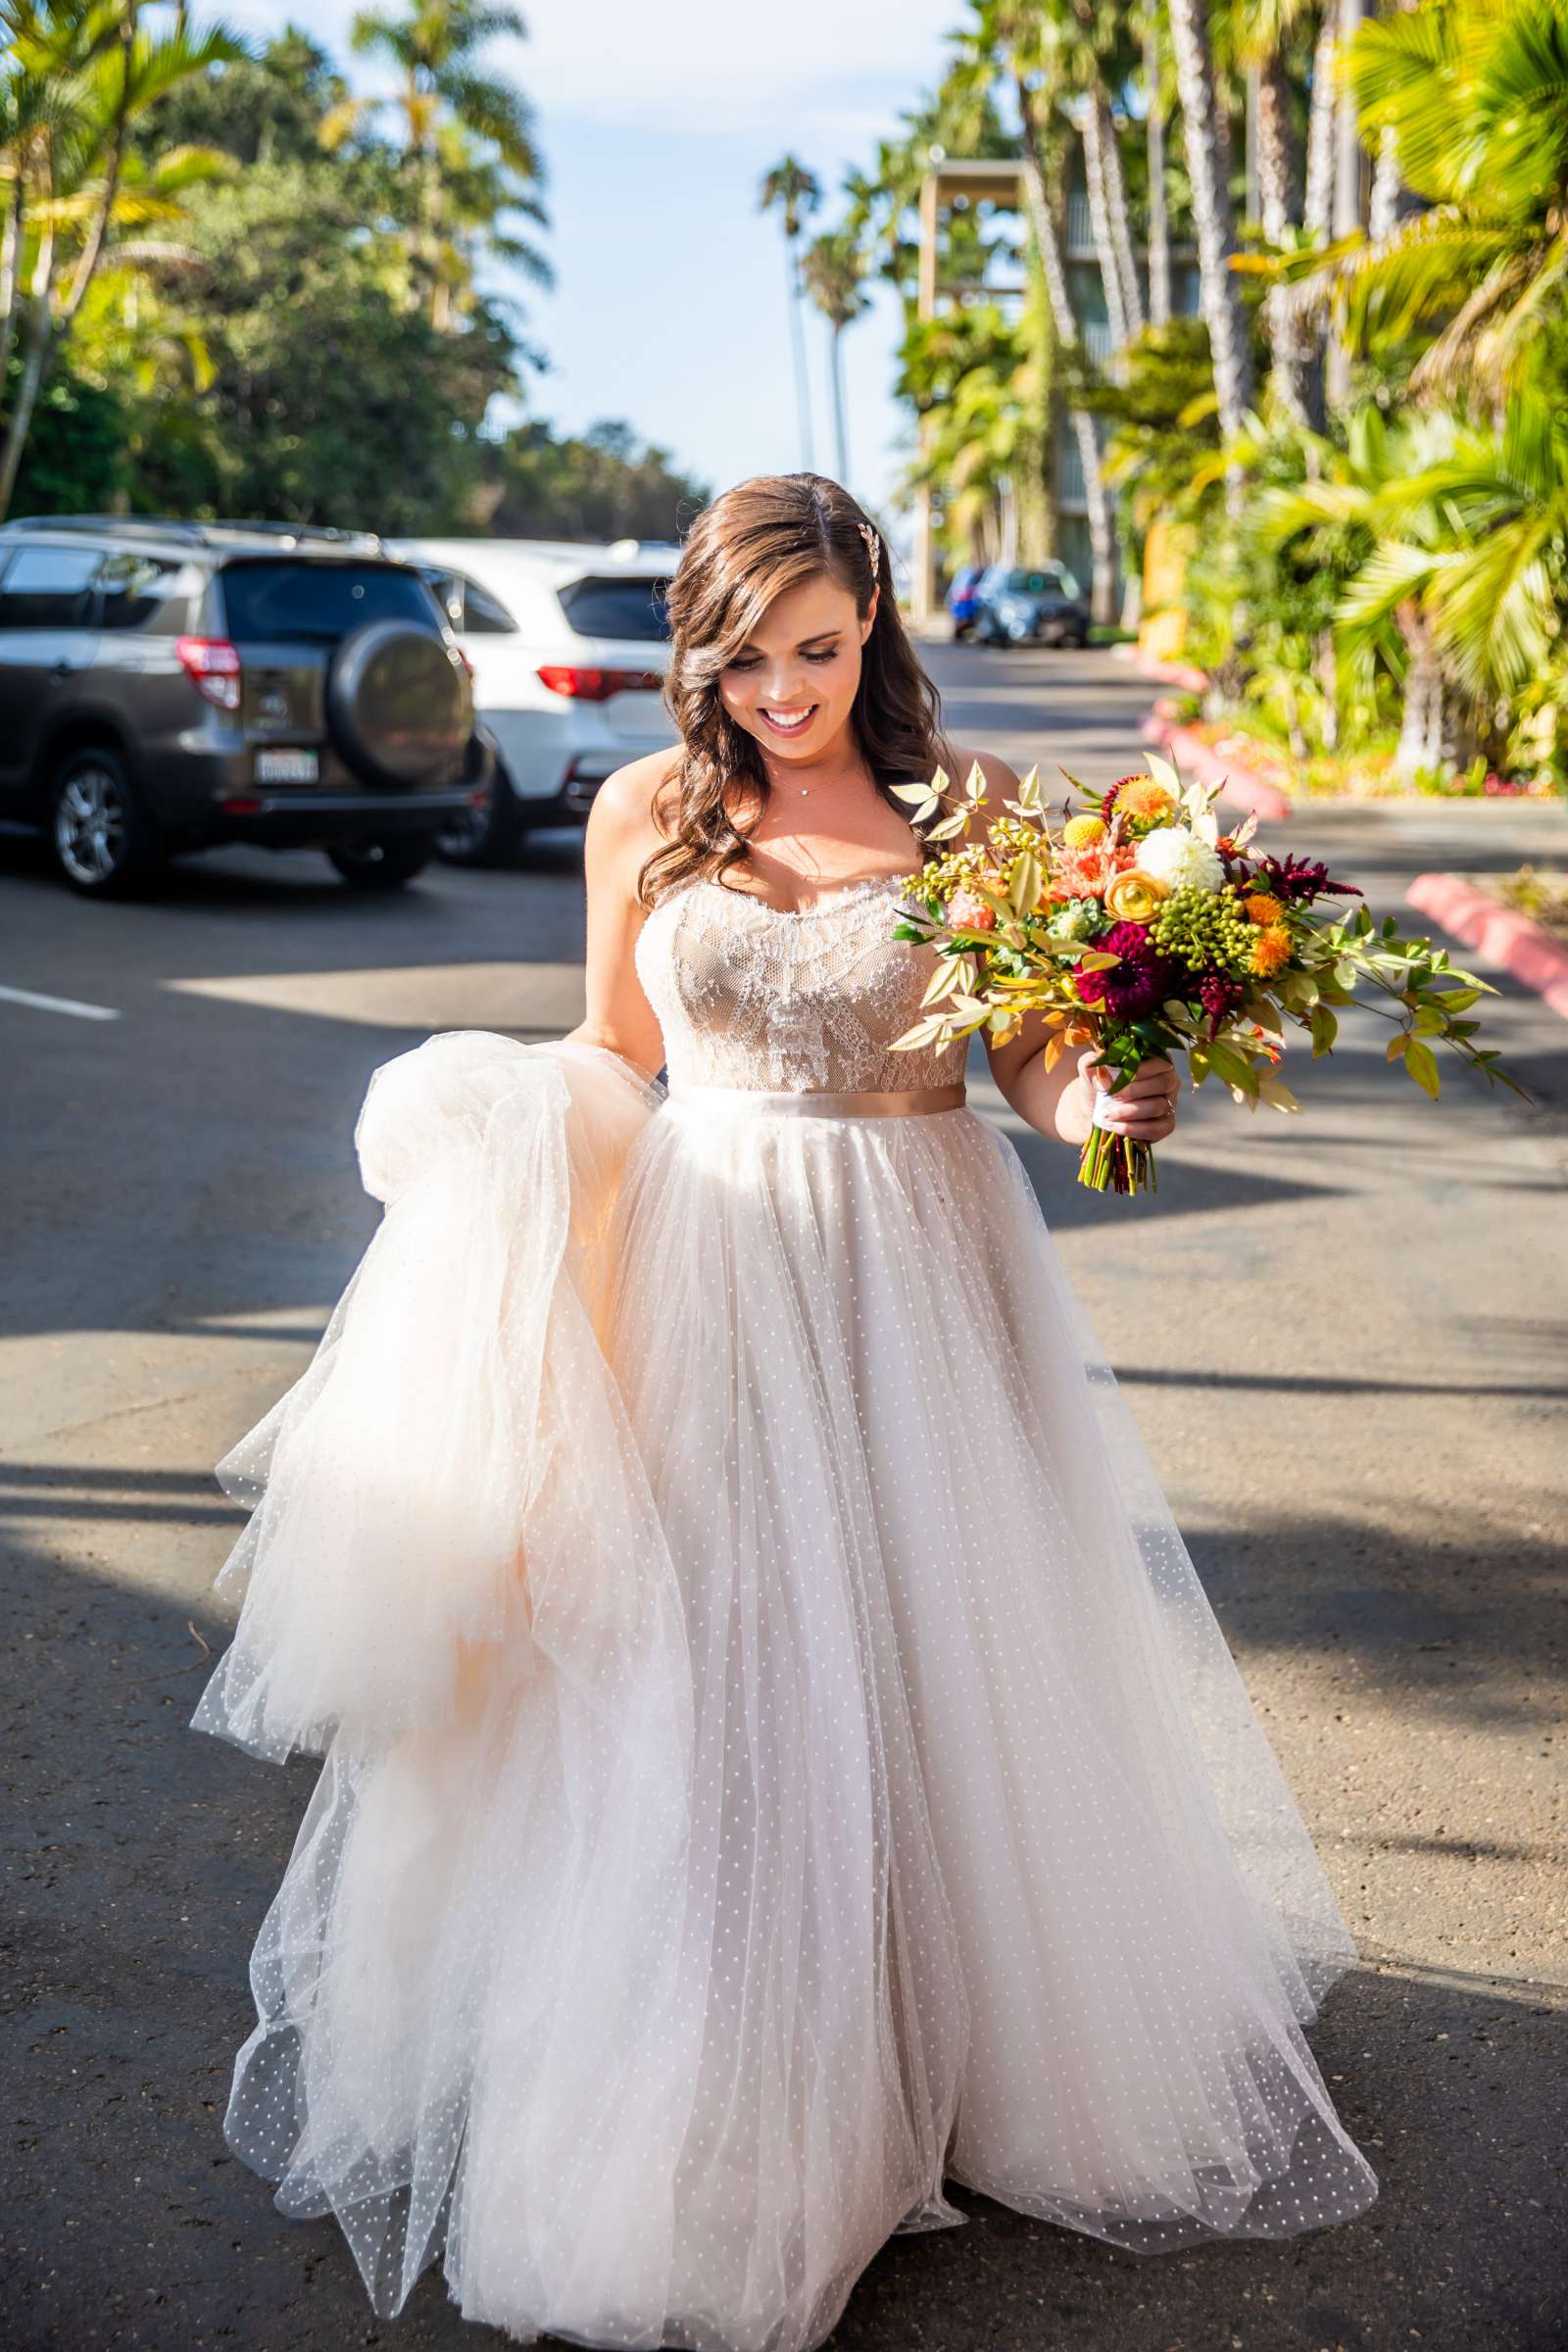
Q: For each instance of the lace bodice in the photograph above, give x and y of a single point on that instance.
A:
(752, 995)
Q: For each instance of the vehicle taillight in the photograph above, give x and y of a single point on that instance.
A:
(211, 665)
(598, 685)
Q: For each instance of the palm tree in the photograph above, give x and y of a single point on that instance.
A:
(1208, 170)
(1264, 32)
(450, 106)
(1473, 93)
(1464, 585)
(1042, 185)
(833, 273)
(77, 75)
(1100, 42)
(1154, 47)
(793, 192)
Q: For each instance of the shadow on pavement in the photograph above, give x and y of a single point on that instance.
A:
(150, 1854)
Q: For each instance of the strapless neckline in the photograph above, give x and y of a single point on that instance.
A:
(800, 914)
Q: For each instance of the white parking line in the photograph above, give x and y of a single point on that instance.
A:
(79, 1012)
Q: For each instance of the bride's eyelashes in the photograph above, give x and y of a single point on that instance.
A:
(744, 661)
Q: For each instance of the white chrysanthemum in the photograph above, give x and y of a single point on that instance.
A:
(1177, 857)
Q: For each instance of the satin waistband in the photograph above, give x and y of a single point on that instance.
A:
(821, 1102)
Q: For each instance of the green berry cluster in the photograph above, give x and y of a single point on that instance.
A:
(1011, 837)
(941, 877)
(1208, 929)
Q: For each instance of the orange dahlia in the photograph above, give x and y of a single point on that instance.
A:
(1142, 797)
(1085, 873)
(1271, 950)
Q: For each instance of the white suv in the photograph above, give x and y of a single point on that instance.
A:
(567, 646)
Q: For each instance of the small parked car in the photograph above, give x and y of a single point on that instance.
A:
(962, 601)
(1030, 604)
(172, 686)
(568, 645)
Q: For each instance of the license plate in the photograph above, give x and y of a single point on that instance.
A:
(281, 767)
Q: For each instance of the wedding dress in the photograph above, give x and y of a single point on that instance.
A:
(779, 1757)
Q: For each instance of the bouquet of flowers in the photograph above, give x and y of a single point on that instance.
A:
(1135, 925)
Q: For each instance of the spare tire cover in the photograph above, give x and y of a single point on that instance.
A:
(398, 703)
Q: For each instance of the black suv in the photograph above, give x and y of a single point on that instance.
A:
(168, 686)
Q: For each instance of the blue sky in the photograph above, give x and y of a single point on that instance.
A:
(657, 125)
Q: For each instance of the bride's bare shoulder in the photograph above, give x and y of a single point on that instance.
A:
(629, 801)
(999, 778)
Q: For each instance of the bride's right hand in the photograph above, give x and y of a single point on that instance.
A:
(1143, 1110)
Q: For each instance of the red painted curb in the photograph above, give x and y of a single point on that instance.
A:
(1526, 951)
(1185, 674)
(1198, 758)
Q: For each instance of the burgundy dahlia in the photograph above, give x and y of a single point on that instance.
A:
(1293, 878)
(1137, 986)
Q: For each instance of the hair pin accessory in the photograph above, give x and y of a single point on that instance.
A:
(874, 545)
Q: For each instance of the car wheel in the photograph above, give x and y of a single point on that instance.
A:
(487, 834)
(383, 865)
(103, 839)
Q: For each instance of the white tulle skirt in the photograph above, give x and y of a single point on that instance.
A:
(779, 1755)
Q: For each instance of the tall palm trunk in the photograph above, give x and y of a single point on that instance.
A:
(1154, 149)
(1054, 270)
(1278, 179)
(841, 438)
(1296, 368)
(10, 262)
(1423, 727)
(1317, 209)
(1206, 150)
(1120, 215)
(1107, 192)
(1347, 214)
(803, 388)
(1093, 131)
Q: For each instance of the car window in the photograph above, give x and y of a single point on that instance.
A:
(48, 587)
(447, 589)
(132, 586)
(483, 614)
(319, 602)
(616, 607)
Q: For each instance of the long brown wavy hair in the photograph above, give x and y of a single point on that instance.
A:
(744, 550)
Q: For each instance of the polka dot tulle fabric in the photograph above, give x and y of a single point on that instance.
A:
(779, 1758)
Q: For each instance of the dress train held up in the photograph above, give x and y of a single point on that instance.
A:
(778, 1753)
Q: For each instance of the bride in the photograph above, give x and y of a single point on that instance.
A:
(779, 1758)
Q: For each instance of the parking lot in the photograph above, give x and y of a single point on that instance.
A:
(1344, 1337)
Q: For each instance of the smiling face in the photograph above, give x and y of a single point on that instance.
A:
(793, 683)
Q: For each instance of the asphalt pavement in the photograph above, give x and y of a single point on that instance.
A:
(1344, 1337)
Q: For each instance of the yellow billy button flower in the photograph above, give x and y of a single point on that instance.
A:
(1133, 897)
(1263, 908)
(1081, 832)
(1271, 950)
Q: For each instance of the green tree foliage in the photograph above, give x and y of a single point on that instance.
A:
(331, 401)
(605, 485)
(281, 357)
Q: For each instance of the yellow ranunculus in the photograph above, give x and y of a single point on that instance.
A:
(1133, 897)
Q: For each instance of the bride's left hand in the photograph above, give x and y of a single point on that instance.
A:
(1145, 1108)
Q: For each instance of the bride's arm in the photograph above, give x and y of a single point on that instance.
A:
(619, 835)
(1060, 1101)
